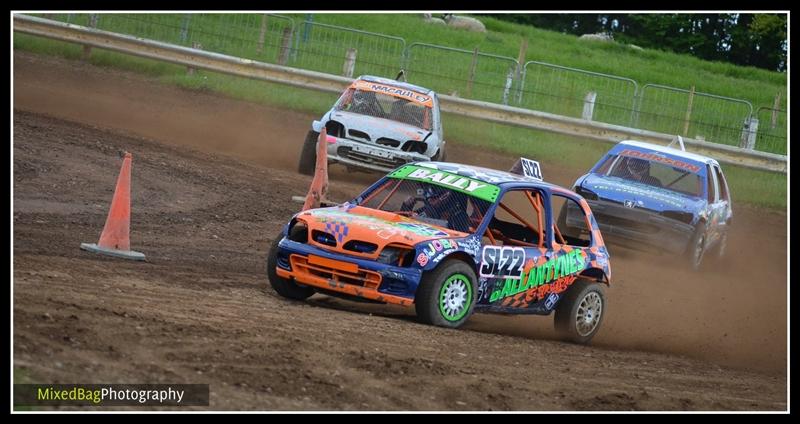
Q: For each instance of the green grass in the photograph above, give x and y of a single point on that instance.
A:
(754, 187)
(282, 96)
(23, 376)
(764, 189)
(544, 88)
(98, 57)
(562, 92)
(553, 149)
(758, 188)
(237, 34)
(649, 66)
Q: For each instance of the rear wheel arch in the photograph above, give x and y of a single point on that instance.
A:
(695, 250)
(596, 274)
(580, 311)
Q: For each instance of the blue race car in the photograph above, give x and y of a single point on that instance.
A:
(451, 239)
(652, 196)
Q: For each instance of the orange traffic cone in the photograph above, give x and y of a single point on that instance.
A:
(115, 239)
(319, 185)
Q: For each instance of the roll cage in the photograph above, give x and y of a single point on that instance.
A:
(539, 198)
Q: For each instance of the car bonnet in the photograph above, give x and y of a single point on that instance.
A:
(641, 195)
(348, 222)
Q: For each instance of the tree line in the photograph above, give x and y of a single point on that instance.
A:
(747, 39)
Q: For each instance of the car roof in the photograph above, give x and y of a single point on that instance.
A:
(395, 83)
(491, 176)
(669, 150)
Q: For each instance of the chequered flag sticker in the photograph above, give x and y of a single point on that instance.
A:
(338, 229)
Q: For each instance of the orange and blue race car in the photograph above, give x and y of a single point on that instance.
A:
(452, 239)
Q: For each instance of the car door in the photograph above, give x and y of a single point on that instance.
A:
(550, 264)
(719, 211)
(437, 124)
(513, 244)
(569, 250)
(521, 270)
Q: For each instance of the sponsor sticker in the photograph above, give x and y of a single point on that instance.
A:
(473, 187)
(502, 262)
(661, 159)
(551, 300)
(530, 168)
(402, 93)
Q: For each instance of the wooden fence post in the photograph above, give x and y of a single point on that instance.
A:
(349, 63)
(507, 87)
(195, 45)
(523, 52)
(775, 107)
(87, 50)
(688, 112)
(283, 54)
(472, 72)
(588, 105)
(261, 34)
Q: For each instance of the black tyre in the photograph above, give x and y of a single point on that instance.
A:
(580, 312)
(446, 295)
(285, 287)
(696, 249)
(308, 156)
(440, 156)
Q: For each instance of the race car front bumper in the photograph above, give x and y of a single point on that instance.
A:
(623, 225)
(369, 156)
(311, 266)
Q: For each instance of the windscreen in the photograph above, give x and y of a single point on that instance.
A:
(429, 203)
(678, 177)
(379, 105)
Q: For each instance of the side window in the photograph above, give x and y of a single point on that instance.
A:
(609, 160)
(344, 99)
(517, 221)
(570, 222)
(713, 185)
(723, 185)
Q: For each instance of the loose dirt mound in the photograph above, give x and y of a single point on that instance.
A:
(209, 197)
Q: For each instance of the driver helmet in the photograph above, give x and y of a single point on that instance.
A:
(431, 192)
(638, 167)
(361, 97)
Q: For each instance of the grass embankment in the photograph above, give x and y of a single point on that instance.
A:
(758, 188)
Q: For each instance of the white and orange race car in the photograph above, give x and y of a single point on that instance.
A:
(377, 125)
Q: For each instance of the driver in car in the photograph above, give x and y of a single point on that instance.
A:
(439, 204)
(639, 170)
(365, 103)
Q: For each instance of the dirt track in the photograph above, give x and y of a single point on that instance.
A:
(211, 179)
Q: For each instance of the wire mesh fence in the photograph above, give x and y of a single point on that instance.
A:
(345, 51)
(252, 36)
(468, 74)
(693, 114)
(462, 73)
(771, 135)
(577, 93)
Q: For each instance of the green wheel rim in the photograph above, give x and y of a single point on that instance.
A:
(455, 297)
